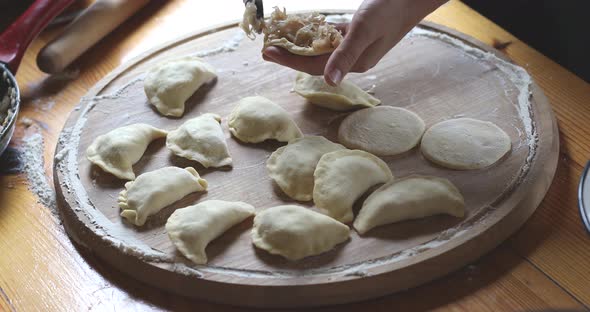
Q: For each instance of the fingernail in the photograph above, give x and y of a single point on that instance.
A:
(335, 76)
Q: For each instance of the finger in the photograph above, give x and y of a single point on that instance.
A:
(313, 65)
(346, 55)
(371, 56)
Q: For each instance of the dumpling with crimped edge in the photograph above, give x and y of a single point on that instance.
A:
(412, 197)
(117, 150)
(256, 119)
(169, 84)
(341, 177)
(295, 232)
(192, 228)
(201, 139)
(292, 165)
(345, 96)
(154, 190)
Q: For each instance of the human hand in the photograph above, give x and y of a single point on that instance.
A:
(377, 26)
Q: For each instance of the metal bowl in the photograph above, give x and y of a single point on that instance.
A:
(9, 106)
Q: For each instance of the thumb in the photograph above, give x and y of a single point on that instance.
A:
(347, 53)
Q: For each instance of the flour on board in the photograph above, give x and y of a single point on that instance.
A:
(33, 165)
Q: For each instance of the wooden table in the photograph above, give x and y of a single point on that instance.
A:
(543, 266)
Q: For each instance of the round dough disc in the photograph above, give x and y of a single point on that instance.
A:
(383, 131)
(465, 143)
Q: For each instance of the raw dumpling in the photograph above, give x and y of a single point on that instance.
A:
(116, 151)
(465, 143)
(295, 232)
(383, 131)
(412, 197)
(341, 177)
(171, 83)
(154, 190)
(303, 34)
(256, 119)
(292, 165)
(345, 96)
(201, 139)
(192, 228)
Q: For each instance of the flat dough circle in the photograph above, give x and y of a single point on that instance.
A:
(383, 131)
(465, 143)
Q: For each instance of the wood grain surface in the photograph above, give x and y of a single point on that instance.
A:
(542, 266)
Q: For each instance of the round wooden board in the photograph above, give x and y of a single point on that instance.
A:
(427, 74)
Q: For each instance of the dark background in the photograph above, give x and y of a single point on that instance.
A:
(560, 29)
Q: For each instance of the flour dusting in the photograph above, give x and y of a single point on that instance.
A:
(43, 105)
(32, 158)
(229, 46)
(59, 156)
(27, 122)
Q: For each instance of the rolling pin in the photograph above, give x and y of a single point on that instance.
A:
(98, 20)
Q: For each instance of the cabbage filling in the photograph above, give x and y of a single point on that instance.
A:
(308, 31)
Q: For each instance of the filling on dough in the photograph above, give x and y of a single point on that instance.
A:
(306, 30)
(306, 34)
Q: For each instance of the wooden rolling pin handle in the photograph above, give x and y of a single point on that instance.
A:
(92, 25)
(16, 38)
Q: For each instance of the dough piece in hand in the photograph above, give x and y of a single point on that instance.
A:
(201, 139)
(295, 232)
(302, 34)
(465, 143)
(192, 228)
(345, 96)
(383, 131)
(341, 177)
(169, 84)
(292, 165)
(256, 119)
(412, 197)
(117, 150)
(154, 190)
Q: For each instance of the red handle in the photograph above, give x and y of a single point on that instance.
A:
(15, 40)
